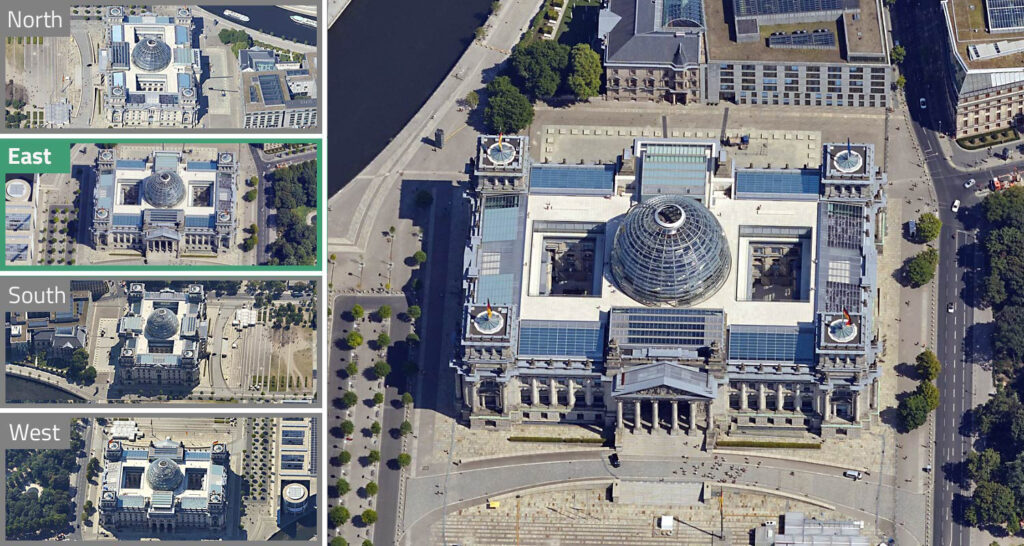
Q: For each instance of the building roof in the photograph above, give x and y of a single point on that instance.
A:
(634, 33)
(637, 379)
(968, 23)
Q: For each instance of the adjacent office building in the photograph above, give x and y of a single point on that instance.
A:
(163, 337)
(150, 69)
(279, 97)
(164, 205)
(50, 335)
(986, 64)
(298, 462)
(820, 53)
(679, 294)
(20, 220)
(164, 488)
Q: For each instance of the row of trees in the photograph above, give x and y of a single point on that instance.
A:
(915, 407)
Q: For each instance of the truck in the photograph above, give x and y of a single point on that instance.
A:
(1007, 180)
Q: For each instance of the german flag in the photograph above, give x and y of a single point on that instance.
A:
(488, 309)
(846, 315)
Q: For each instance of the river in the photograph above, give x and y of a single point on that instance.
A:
(24, 390)
(269, 20)
(386, 59)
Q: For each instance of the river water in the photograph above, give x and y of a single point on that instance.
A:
(386, 59)
(269, 20)
(23, 390)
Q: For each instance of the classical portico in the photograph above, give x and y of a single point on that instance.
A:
(663, 397)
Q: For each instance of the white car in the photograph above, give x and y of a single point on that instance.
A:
(950, 307)
(956, 206)
(969, 184)
(922, 103)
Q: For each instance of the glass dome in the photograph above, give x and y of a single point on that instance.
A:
(163, 475)
(161, 324)
(151, 55)
(163, 189)
(670, 249)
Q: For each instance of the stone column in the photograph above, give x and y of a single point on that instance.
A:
(618, 414)
(517, 392)
(797, 397)
(636, 415)
(570, 397)
(655, 422)
(467, 394)
(552, 392)
(588, 392)
(691, 418)
(780, 396)
(675, 417)
(708, 416)
(476, 395)
(827, 406)
(743, 397)
(534, 392)
(761, 404)
(856, 406)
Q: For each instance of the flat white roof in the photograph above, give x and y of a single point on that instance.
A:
(731, 213)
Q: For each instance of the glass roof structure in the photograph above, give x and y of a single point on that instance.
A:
(151, 55)
(163, 189)
(1005, 14)
(804, 184)
(670, 249)
(161, 324)
(561, 338)
(748, 8)
(163, 475)
(682, 13)
(760, 343)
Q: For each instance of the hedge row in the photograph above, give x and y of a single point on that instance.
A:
(554, 440)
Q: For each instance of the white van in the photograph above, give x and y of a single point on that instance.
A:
(853, 474)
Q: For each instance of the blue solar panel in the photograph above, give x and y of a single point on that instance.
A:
(498, 289)
(500, 224)
(180, 34)
(749, 8)
(127, 219)
(561, 338)
(596, 179)
(805, 182)
(825, 39)
(1005, 14)
(674, 169)
(17, 221)
(131, 164)
(270, 89)
(201, 165)
(772, 343)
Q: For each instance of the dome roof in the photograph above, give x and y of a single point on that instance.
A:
(151, 55)
(163, 475)
(161, 324)
(163, 189)
(670, 249)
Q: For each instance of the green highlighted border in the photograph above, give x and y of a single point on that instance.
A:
(6, 169)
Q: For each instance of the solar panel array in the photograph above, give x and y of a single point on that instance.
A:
(748, 8)
(578, 179)
(561, 338)
(760, 343)
(270, 88)
(819, 39)
(781, 182)
(1005, 14)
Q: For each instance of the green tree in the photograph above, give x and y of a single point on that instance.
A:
(378, 398)
(413, 337)
(372, 488)
(928, 227)
(508, 110)
(381, 369)
(406, 399)
(983, 466)
(584, 72)
(405, 428)
(928, 365)
(921, 268)
(342, 487)
(384, 312)
(349, 399)
(373, 457)
(404, 460)
(250, 196)
(898, 53)
(901, 80)
(367, 542)
(383, 340)
(369, 516)
(344, 457)
(991, 504)
(472, 100)
(930, 393)
(419, 257)
(354, 339)
(348, 427)
(414, 312)
(352, 369)
(1008, 338)
(375, 428)
(539, 66)
(339, 541)
(338, 516)
(357, 311)
(913, 411)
